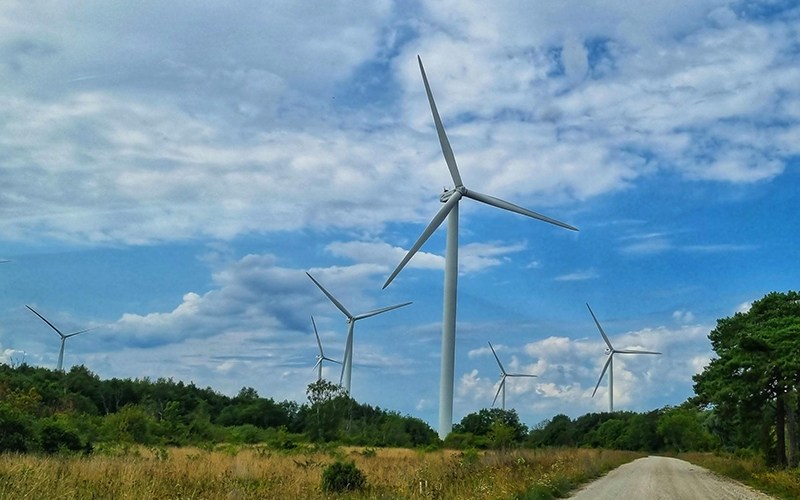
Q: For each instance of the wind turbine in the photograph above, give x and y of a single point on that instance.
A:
(321, 356)
(63, 336)
(610, 362)
(503, 376)
(347, 367)
(450, 211)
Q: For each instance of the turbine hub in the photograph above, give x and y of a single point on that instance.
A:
(450, 192)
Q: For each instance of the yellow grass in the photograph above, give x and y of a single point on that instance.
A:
(257, 473)
(750, 470)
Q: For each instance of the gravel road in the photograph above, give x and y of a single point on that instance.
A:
(665, 478)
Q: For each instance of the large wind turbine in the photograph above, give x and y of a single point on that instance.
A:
(63, 336)
(347, 367)
(503, 376)
(450, 211)
(610, 362)
(321, 356)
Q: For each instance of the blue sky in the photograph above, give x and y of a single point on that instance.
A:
(169, 173)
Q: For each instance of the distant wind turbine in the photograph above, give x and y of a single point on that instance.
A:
(610, 362)
(347, 367)
(450, 211)
(503, 376)
(63, 336)
(321, 356)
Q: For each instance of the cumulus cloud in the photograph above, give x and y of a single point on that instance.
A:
(200, 130)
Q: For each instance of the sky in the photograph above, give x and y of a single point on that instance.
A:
(170, 171)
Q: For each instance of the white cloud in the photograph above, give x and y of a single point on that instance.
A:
(583, 275)
(683, 317)
(183, 132)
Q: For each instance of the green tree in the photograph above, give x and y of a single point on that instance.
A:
(329, 408)
(756, 369)
(682, 429)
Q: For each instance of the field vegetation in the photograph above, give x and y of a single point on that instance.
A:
(750, 469)
(258, 472)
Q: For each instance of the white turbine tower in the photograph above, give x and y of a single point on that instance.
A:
(450, 211)
(610, 362)
(503, 375)
(63, 336)
(321, 356)
(347, 367)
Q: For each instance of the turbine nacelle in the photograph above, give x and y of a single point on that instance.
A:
(448, 193)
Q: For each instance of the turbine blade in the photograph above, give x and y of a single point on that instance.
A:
(520, 375)
(331, 297)
(77, 333)
(630, 351)
(437, 220)
(499, 388)
(497, 359)
(608, 342)
(317, 335)
(497, 202)
(605, 367)
(449, 158)
(45, 320)
(316, 365)
(380, 311)
(332, 360)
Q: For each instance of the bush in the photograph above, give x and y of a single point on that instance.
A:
(342, 476)
(55, 436)
(16, 432)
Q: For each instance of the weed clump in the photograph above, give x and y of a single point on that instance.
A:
(342, 476)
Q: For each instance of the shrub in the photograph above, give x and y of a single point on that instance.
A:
(55, 436)
(342, 476)
(16, 432)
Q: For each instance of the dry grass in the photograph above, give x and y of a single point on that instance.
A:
(750, 470)
(257, 473)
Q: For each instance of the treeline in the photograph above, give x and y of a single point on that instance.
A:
(43, 410)
(684, 428)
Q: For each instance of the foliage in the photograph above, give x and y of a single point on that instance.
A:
(752, 383)
(51, 411)
(341, 476)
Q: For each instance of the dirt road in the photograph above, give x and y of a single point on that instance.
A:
(665, 478)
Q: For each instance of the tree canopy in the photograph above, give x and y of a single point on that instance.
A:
(751, 384)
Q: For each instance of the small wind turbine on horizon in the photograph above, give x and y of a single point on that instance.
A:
(347, 367)
(321, 356)
(450, 198)
(503, 375)
(610, 362)
(63, 336)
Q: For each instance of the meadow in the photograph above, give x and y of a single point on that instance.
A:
(256, 472)
(750, 469)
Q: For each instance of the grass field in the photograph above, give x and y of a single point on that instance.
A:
(239, 473)
(751, 471)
